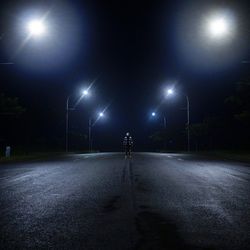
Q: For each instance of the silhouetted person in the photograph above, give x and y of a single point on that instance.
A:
(128, 144)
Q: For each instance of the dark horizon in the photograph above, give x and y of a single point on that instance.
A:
(133, 50)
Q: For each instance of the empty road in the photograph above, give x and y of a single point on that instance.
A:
(102, 201)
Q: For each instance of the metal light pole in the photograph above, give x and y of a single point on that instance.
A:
(67, 125)
(164, 119)
(188, 123)
(170, 91)
(91, 125)
(84, 93)
(165, 128)
(90, 135)
(165, 122)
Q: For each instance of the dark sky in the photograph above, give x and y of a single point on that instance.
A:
(134, 49)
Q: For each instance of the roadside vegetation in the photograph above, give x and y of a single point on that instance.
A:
(225, 135)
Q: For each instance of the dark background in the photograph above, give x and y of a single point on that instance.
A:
(133, 48)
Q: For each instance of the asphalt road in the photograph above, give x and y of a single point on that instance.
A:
(102, 201)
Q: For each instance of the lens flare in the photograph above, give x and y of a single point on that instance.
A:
(218, 27)
(36, 28)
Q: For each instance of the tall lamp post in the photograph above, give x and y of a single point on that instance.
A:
(188, 122)
(153, 114)
(170, 91)
(91, 125)
(84, 93)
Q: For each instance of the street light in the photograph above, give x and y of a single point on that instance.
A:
(91, 125)
(84, 93)
(220, 25)
(36, 27)
(153, 114)
(171, 91)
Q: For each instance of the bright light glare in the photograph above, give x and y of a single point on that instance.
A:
(170, 91)
(153, 113)
(85, 92)
(36, 28)
(218, 27)
(101, 114)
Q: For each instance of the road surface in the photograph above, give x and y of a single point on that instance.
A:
(102, 201)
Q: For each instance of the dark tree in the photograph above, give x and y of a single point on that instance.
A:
(239, 108)
(10, 106)
(10, 114)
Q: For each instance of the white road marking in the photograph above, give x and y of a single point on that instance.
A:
(20, 178)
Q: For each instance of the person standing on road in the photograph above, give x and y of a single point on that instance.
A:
(128, 143)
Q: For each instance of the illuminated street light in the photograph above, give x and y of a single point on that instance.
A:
(153, 114)
(170, 91)
(101, 114)
(85, 92)
(218, 27)
(36, 28)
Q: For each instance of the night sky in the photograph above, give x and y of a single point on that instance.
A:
(133, 50)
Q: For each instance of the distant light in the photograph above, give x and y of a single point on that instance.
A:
(101, 114)
(153, 114)
(170, 91)
(36, 28)
(85, 92)
(218, 27)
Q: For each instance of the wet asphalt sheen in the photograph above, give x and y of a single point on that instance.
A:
(102, 201)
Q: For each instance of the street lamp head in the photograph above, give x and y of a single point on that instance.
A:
(218, 27)
(170, 91)
(153, 114)
(85, 92)
(36, 28)
(101, 114)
